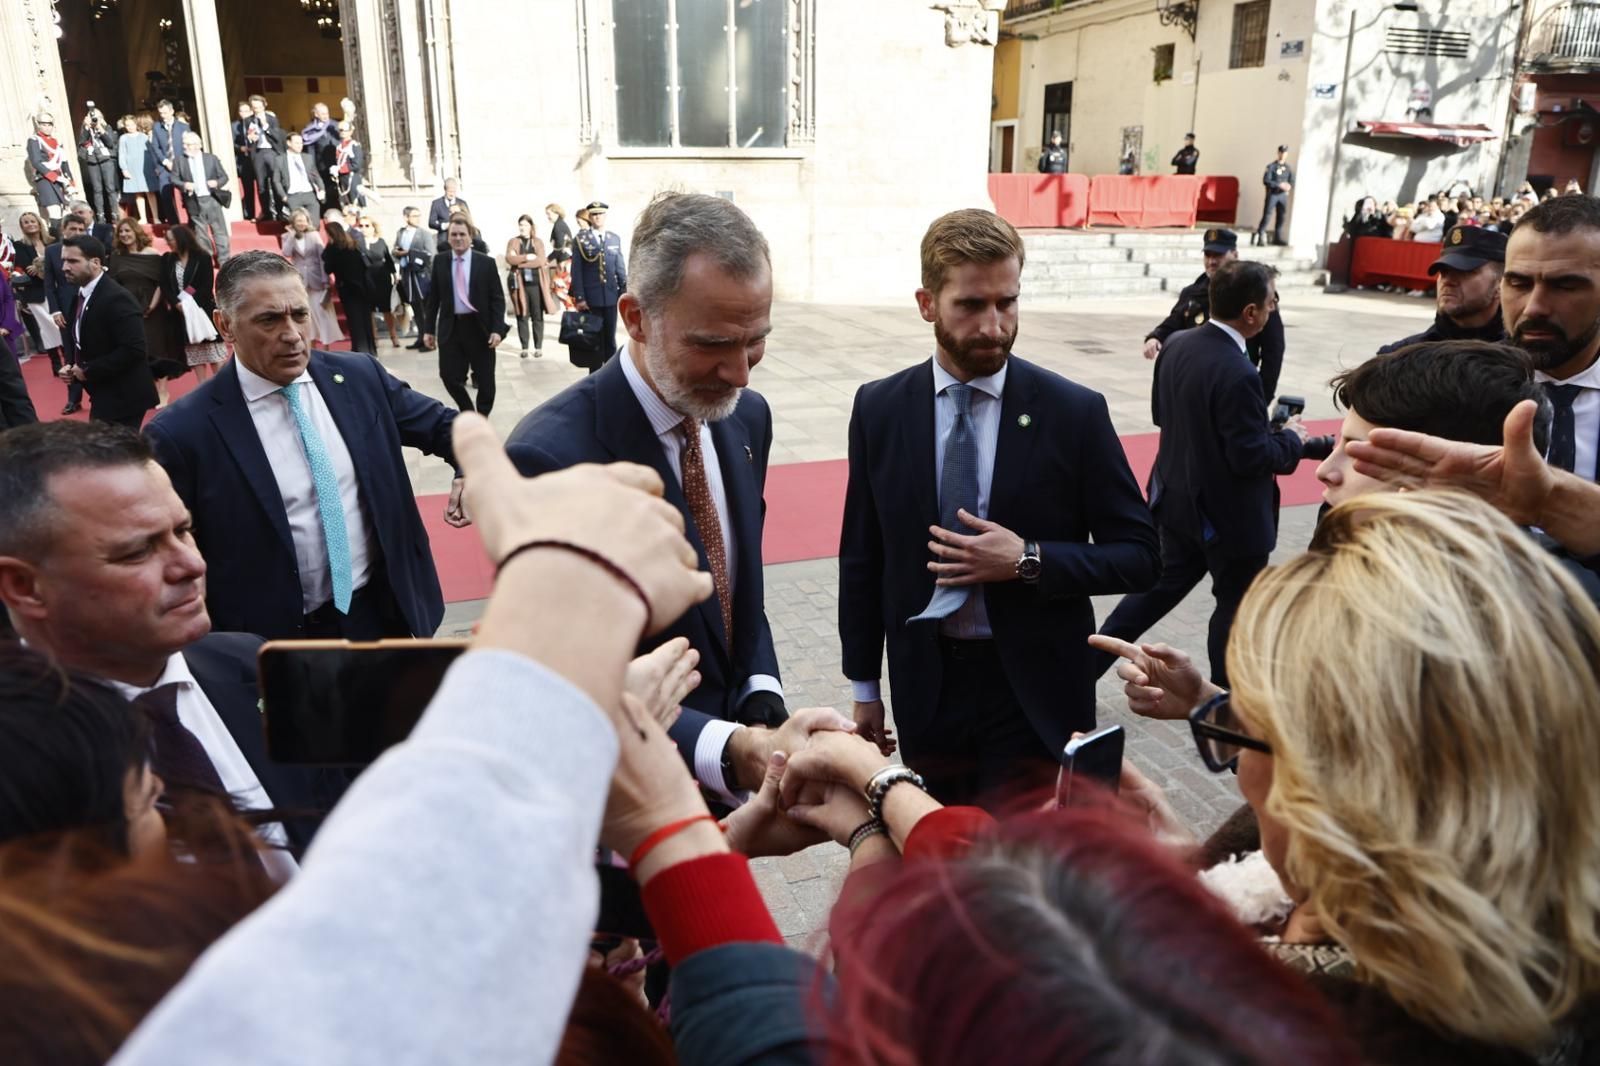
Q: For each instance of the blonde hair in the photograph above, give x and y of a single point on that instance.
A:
(1426, 678)
(141, 237)
(967, 236)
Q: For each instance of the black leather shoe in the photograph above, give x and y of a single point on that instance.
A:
(72, 408)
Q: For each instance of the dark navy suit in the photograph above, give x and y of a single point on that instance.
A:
(599, 420)
(1213, 491)
(209, 446)
(1060, 478)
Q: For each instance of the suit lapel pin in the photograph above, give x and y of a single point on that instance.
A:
(1024, 421)
(338, 379)
(749, 456)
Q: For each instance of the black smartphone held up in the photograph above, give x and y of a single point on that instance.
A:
(340, 703)
(1094, 757)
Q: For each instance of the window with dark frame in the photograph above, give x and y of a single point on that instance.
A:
(1166, 57)
(701, 73)
(1057, 112)
(1249, 48)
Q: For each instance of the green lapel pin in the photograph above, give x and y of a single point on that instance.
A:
(1024, 421)
(338, 379)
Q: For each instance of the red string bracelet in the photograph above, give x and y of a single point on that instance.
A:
(588, 553)
(649, 843)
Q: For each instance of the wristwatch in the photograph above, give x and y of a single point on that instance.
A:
(1030, 566)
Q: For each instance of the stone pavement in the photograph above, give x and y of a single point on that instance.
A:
(819, 355)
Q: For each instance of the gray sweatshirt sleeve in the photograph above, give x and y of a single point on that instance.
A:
(442, 914)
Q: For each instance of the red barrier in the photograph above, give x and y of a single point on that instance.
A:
(1143, 202)
(1041, 201)
(1379, 261)
(1219, 199)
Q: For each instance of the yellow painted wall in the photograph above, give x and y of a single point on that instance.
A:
(1006, 96)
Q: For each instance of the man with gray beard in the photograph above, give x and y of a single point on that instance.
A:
(1550, 296)
(697, 313)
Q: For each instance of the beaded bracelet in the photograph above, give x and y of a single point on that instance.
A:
(871, 827)
(882, 781)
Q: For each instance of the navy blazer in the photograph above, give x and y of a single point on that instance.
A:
(599, 420)
(1215, 470)
(1060, 478)
(165, 146)
(224, 666)
(209, 446)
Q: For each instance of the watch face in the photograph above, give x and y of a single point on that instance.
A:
(1029, 568)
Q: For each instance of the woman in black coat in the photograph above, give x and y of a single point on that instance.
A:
(342, 259)
(381, 272)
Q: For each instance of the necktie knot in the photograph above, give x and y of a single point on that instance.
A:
(161, 702)
(1562, 395)
(691, 431)
(961, 396)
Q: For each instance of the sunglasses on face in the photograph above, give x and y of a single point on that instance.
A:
(1218, 735)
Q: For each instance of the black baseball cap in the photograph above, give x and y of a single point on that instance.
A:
(1468, 248)
(1221, 241)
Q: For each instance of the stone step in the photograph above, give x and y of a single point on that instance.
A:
(1084, 270)
(1075, 287)
(1035, 238)
(1055, 253)
(1177, 239)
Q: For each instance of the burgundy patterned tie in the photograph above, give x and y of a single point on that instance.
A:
(180, 757)
(703, 509)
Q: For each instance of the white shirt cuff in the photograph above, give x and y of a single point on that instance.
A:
(866, 691)
(708, 749)
(759, 683)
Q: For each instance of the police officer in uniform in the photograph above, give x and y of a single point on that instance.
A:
(1053, 160)
(1193, 309)
(1469, 266)
(1278, 179)
(599, 277)
(1188, 156)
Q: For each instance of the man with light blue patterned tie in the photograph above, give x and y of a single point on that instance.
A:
(290, 461)
(988, 499)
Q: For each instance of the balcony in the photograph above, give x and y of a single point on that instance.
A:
(1565, 39)
(1016, 9)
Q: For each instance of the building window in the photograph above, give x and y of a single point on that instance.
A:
(1057, 112)
(702, 73)
(1249, 34)
(1165, 58)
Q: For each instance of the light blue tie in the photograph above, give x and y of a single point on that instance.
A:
(329, 505)
(958, 490)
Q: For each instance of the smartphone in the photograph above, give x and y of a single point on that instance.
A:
(1094, 758)
(341, 703)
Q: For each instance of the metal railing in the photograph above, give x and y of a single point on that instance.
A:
(1016, 9)
(1567, 37)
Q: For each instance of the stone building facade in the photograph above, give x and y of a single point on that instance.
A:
(842, 127)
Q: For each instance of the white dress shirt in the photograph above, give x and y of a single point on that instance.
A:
(1585, 418)
(197, 173)
(299, 180)
(286, 455)
(971, 620)
(200, 718)
(1238, 338)
(666, 423)
(86, 293)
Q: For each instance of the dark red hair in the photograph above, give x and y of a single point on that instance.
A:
(1066, 938)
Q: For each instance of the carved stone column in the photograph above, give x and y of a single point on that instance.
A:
(30, 81)
(370, 35)
(213, 111)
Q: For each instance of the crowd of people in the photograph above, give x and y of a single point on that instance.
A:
(1431, 217)
(553, 864)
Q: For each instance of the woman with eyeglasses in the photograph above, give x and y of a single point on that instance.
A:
(1413, 723)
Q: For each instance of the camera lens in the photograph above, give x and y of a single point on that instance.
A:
(1318, 448)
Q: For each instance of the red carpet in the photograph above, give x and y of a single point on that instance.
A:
(805, 504)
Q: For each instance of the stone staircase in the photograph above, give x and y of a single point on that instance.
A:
(1075, 264)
